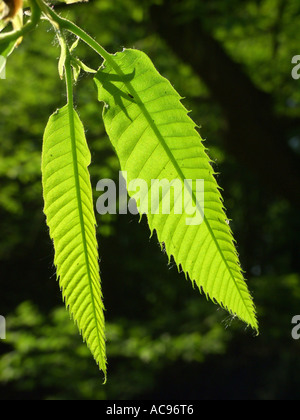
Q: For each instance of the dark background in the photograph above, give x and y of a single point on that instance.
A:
(231, 60)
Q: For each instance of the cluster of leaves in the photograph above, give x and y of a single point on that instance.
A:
(154, 139)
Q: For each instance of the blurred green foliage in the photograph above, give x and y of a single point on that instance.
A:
(164, 339)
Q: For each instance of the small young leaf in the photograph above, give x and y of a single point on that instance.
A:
(6, 48)
(155, 139)
(84, 67)
(76, 70)
(75, 44)
(71, 219)
(62, 60)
